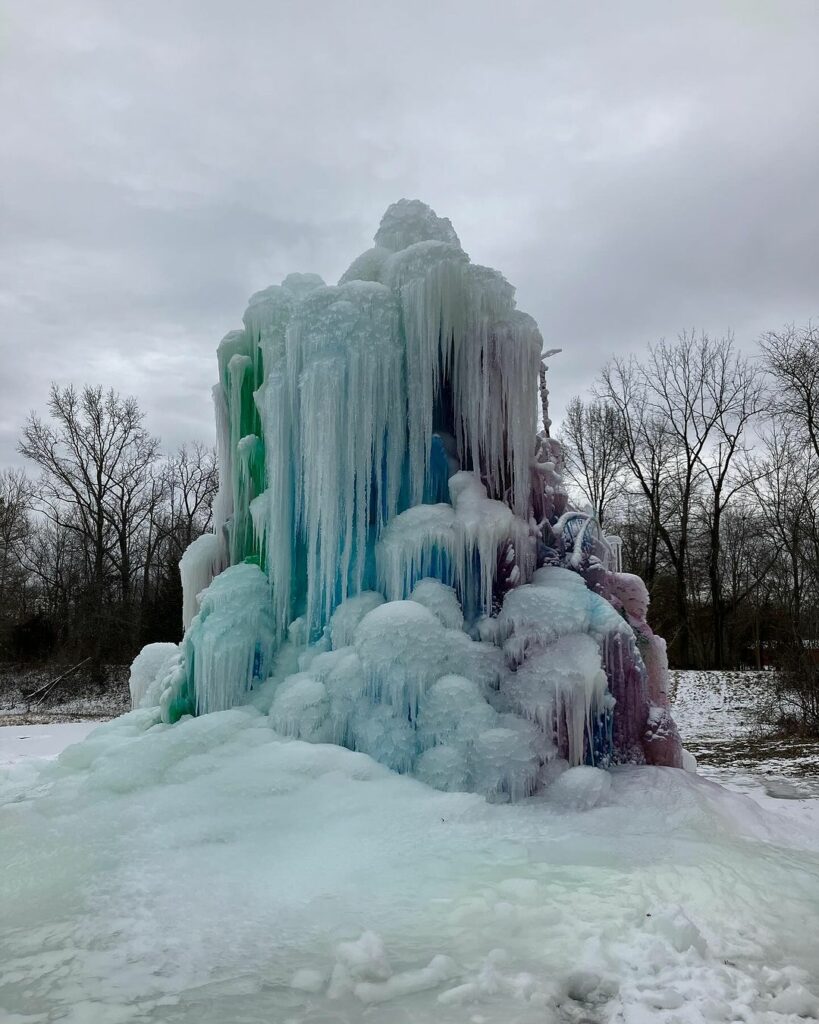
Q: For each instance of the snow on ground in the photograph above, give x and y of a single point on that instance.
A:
(213, 872)
(76, 698)
(20, 742)
(717, 714)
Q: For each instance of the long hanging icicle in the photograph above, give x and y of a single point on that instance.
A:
(346, 382)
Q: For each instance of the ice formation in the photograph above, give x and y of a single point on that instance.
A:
(395, 566)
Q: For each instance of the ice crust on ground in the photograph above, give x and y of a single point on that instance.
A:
(215, 871)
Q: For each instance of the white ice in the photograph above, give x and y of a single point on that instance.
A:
(201, 561)
(228, 647)
(151, 663)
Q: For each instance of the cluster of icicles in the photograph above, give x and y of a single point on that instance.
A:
(394, 565)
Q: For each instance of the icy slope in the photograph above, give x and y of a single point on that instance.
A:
(212, 872)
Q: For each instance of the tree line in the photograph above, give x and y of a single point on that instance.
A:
(90, 546)
(705, 461)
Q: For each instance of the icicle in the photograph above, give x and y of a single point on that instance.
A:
(460, 324)
(345, 376)
(223, 503)
(247, 480)
(201, 561)
(229, 644)
(273, 404)
(458, 543)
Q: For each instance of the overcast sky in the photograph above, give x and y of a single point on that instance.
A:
(633, 168)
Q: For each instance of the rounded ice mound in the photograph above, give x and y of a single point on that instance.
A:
(301, 709)
(420, 260)
(402, 647)
(506, 761)
(581, 788)
(386, 738)
(349, 613)
(300, 285)
(441, 600)
(409, 221)
(631, 592)
(444, 767)
(366, 267)
(556, 603)
(454, 704)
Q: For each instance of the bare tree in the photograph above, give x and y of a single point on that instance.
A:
(192, 481)
(592, 452)
(15, 526)
(651, 451)
(792, 358)
(95, 458)
(732, 390)
(682, 412)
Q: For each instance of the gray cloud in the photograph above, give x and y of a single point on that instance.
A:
(634, 169)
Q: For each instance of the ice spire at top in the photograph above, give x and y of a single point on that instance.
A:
(409, 221)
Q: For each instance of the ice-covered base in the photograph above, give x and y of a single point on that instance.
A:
(212, 872)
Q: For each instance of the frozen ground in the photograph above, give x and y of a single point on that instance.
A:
(212, 873)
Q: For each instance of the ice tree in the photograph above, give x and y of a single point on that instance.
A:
(395, 565)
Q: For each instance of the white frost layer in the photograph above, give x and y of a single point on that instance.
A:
(193, 873)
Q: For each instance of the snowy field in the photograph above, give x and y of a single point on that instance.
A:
(39, 742)
(211, 872)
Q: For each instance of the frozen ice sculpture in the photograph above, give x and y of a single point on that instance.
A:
(395, 566)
